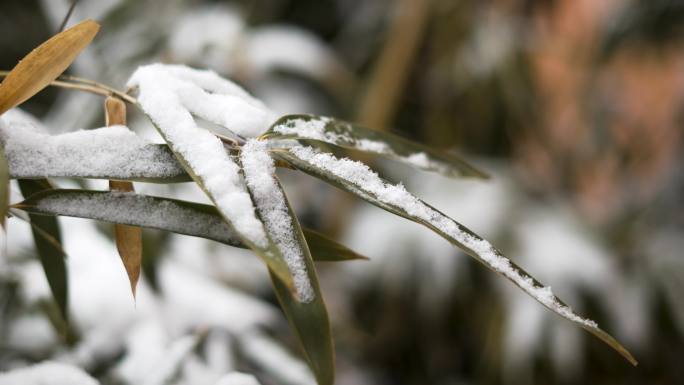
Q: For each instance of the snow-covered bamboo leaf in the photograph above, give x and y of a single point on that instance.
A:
(358, 179)
(45, 63)
(47, 237)
(128, 238)
(168, 95)
(177, 216)
(306, 311)
(128, 241)
(343, 134)
(104, 153)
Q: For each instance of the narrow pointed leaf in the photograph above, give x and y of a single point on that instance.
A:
(48, 240)
(104, 153)
(128, 241)
(128, 238)
(306, 310)
(177, 216)
(359, 180)
(4, 189)
(164, 97)
(44, 64)
(340, 133)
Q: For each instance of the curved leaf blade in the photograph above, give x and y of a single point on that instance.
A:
(204, 158)
(343, 134)
(176, 216)
(44, 64)
(306, 312)
(47, 237)
(4, 189)
(128, 238)
(358, 179)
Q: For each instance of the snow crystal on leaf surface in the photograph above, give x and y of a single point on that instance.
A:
(259, 170)
(114, 152)
(367, 180)
(207, 95)
(237, 378)
(161, 97)
(139, 210)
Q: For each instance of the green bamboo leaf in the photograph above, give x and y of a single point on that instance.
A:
(359, 180)
(311, 128)
(177, 216)
(165, 92)
(306, 313)
(48, 239)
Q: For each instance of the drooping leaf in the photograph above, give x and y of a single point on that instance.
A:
(305, 311)
(359, 180)
(4, 188)
(44, 64)
(310, 128)
(128, 238)
(166, 95)
(128, 241)
(177, 216)
(48, 240)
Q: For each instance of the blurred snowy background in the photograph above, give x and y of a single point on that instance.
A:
(574, 107)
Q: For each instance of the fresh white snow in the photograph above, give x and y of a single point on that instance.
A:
(47, 372)
(108, 152)
(161, 97)
(259, 170)
(202, 93)
(316, 128)
(368, 181)
(139, 210)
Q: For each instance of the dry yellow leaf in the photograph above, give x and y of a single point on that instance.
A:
(128, 238)
(44, 64)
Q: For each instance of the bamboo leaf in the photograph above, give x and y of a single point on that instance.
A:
(120, 155)
(48, 239)
(177, 216)
(359, 180)
(128, 241)
(164, 97)
(305, 311)
(128, 238)
(311, 128)
(4, 189)
(44, 64)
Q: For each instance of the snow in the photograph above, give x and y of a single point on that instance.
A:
(203, 93)
(396, 195)
(271, 204)
(290, 48)
(274, 359)
(47, 372)
(108, 152)
(313, 128)
(162, 98)
(207, 35)
(139, 210)
(237, 378)
(165, 369)
(342, 134)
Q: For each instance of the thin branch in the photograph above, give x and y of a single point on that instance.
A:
(76, 83)
(68, 15)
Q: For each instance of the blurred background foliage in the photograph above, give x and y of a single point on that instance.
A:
(574, 106)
